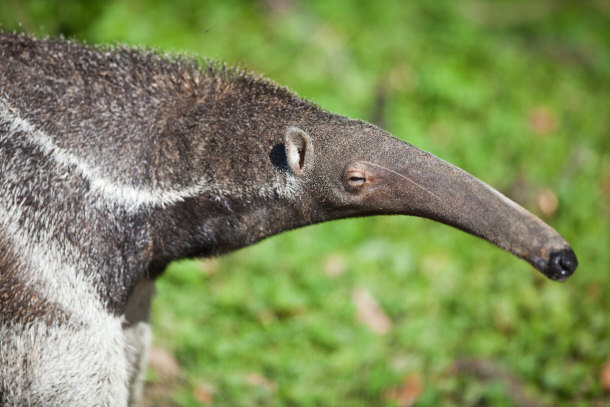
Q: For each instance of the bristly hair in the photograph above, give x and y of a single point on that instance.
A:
(194, 69)
(179, 70)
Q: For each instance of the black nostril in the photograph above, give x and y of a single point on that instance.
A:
(562, 264)
(569, 262)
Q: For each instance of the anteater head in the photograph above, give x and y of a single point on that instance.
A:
(351, 168)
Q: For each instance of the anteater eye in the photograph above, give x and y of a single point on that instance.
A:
(355, 179)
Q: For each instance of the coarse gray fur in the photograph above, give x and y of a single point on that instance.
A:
(115, 161)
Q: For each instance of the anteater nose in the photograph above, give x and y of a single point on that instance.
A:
(561, 265)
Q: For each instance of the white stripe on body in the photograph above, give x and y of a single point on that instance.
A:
(124, 195)
(77, 362)
(128, 196)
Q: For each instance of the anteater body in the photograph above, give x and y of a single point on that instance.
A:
(115, 161)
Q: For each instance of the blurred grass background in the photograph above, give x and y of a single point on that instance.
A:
(515, 92)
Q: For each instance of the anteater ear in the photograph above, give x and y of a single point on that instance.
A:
(299, 150)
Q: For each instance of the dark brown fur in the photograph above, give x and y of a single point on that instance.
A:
(21, 301)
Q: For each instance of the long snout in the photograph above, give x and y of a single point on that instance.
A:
(413, 182)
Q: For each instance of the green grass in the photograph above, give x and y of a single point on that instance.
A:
(517, 93)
